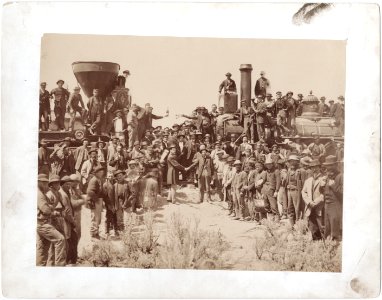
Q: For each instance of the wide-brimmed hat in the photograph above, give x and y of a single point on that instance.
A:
(116, 172)
(281, 161)
(65, 179)
(230, 159)
(293, 157)
(237, 162)
(93, 150)
(42, 177)
(306, 161)
(75, 178)
(314, 163)
(54, 178)
(99, 168)
(330, 160)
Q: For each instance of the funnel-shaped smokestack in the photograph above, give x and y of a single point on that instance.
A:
(96, 75)
(245, 83)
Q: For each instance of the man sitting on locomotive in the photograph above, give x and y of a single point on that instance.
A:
(76, 104)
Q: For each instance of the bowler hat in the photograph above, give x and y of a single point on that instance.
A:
(42, 177)
(60, 80)
(330, 160)
(314, 163)
(54, 178)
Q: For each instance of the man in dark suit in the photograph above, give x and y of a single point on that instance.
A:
(262, 84)
(228, 85)
(44, 106)
(205, 171)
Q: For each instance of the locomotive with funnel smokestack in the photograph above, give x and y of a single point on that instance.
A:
(91, 75)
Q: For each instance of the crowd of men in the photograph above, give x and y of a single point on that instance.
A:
(281, 179)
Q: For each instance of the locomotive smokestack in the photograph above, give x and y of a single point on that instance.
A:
(245, 83)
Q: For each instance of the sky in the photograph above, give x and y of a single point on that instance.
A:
(182, 73)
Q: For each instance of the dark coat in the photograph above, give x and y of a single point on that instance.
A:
(202, 163)
(173, 168)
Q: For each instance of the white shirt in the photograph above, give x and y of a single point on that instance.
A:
(118, 125)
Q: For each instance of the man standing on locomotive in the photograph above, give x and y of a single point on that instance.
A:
(95, 111)
(262, 84)
(228, 85)
(61, 96)
(44, 107)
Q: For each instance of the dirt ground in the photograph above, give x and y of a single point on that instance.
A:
(212, 216)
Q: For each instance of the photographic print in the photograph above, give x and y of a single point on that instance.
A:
(191, 153)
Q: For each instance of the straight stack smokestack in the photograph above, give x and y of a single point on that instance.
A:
(245, 83)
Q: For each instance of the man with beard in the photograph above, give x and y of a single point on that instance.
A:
(205, 172)
(88, 167)
(314, 200)
(317, 149)
(118, 161)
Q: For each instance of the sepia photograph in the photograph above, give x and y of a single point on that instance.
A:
(154, 152)
(190, 150)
